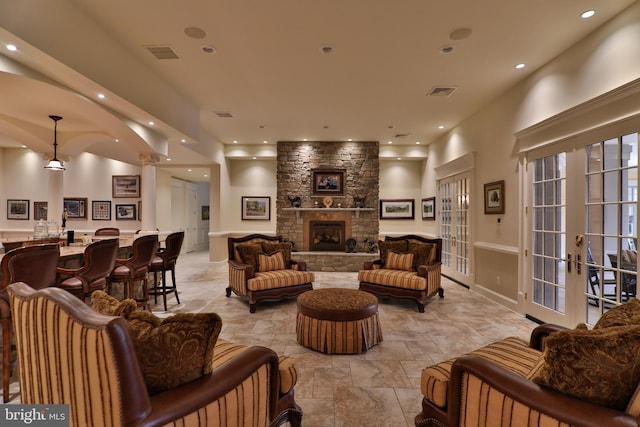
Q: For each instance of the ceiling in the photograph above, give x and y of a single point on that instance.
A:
(269, 71)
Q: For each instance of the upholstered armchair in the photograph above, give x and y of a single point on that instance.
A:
(408, 268)
(561, 377)
(261, 268)
(91, 362)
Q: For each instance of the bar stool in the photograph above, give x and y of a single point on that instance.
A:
(34, 265)
(99, 260)
(165, 260)
(135, 269)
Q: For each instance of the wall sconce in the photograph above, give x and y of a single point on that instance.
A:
(55, 164)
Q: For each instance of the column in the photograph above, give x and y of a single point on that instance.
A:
(55, 197)
(148, 193)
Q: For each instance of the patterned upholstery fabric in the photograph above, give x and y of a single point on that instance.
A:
(249, 254)
(599, 366)
(384, 246)
(621, 315)
(396, 278)
(171, 351)
(272, 262)
(279, 279)
(511, 353)
(423, 253)
(497, 409)
(226, 350)
(285, 247)
(396, 261)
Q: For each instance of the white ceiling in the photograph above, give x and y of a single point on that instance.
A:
(268, 71)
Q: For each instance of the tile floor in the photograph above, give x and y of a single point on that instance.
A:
(377, 388)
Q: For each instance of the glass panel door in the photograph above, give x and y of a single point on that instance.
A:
(583, 222)
(611, 181)
(455, 227)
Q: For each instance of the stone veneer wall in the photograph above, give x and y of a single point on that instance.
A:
(361, 163)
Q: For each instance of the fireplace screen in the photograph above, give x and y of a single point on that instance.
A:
(326, 235)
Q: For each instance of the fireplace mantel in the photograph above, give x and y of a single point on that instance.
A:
(356, 211)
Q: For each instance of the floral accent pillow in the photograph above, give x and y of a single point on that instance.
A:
(621, 315)
(599, 366)
(171, 351)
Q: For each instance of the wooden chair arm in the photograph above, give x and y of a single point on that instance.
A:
(541, 332)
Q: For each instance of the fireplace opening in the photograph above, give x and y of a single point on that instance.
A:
(326, 235)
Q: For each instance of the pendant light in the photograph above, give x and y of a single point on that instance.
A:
(55, 164)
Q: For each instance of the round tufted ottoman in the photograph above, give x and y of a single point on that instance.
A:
(338, 321)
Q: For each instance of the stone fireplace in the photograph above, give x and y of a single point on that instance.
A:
(324, 249)
(326, 236)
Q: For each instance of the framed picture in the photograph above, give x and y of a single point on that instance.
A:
(75, 207)
(397, 209)
(125, 185)
(494, 197)
(40, 210)
(256, 208)
(327, 182)
(429, 208)
(17, 209)
(101, 210)
(205, 213)
(126, 212)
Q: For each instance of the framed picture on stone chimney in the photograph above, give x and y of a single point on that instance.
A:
(327, 182)
(256, 208)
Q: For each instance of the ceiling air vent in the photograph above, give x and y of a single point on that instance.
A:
(163, 52)
(401, 135)
(224, 114)
(442, 91)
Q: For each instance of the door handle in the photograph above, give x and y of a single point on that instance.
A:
(568, 263)
(578, 263)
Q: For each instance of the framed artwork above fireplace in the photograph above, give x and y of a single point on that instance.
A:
(325, 182)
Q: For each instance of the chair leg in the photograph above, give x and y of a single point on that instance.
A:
(173, 280)
(6, 357)
(155, 289)
(164, 288)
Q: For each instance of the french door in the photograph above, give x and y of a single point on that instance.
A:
(455, 222)
(581, 259)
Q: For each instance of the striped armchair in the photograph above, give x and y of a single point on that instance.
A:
(70, 354)
(258, 272)
(408, 268)
(490, 387)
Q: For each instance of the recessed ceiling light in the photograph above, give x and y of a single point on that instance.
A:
(418, 143)
(519, 66)
(447, 49)
(205, 175)
(265, 142)
(587, 14)
(327, 49)
(183, 140)
(189, 170)
(350, 139)
(235, 141)
(208, 49)
(23, 146)
(254, 157)
(12, 47)
(101, 96)
(399, 158)
(117, 140)
(168, 159)
(389, 142)
(151, 123)
(304, 139)
(441, 127)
